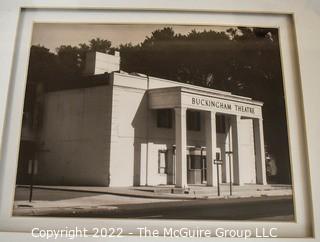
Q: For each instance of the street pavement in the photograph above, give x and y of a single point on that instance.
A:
(61, 203)
(263, 209)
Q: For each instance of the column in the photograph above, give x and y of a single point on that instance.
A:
(181, 146)
(211, 140)
(259, 151)
(227, 148)
(235, 124)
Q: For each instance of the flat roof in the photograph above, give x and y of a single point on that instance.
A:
(182, 84)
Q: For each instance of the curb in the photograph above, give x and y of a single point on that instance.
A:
(173, 197)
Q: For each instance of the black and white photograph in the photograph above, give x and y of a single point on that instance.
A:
(154, 121)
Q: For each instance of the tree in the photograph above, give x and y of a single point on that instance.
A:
(42, 68)
(99, 45)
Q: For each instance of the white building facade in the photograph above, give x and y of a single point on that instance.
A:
(139, 130)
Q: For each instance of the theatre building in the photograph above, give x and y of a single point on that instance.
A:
(138, 130)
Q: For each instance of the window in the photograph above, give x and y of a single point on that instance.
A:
(220, 123)
(162, 161)
(193, 120)
(164, 118)
(218, 156)
(194, 162)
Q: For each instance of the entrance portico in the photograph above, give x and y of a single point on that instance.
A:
(213, 103)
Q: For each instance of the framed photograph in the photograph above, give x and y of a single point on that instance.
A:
(127, 119)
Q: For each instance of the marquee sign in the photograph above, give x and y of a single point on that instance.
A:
(234, 105)
(221, 105)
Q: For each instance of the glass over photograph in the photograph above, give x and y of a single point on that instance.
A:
(146, 121)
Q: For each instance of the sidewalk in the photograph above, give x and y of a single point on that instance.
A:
(169, 192)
